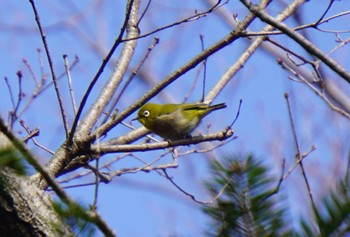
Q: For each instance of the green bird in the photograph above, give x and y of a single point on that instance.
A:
(174, 121)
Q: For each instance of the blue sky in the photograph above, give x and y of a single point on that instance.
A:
(146, 204)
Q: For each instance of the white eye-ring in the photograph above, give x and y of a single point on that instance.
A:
(146, 113)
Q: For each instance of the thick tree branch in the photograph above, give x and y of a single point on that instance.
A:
(234, 35)
(332, 90)
(25, 210)
(249, 52)
(117, 75)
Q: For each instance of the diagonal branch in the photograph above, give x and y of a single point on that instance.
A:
(249, 51)
(53, 74)
(301, 40)
(49, 178)
(299, 155)
(116, 77)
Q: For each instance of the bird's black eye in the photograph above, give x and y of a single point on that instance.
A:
(146, 113)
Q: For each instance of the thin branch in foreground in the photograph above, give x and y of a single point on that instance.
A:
(298, 155)
(93, 217)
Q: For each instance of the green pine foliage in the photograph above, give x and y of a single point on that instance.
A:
(75, 217)
(247, 206)
(332, 218)
(250, 204)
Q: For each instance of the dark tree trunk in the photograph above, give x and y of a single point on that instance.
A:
(25, 210)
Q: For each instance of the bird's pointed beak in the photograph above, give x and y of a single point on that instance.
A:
(137, 118)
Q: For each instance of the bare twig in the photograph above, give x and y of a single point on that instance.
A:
(13, 116)
(144, 12)
(20, 93)
(325, 12)
(188, 19)
(145, 168)
(31, 72)
(10, 92)
(321, 94)
(41, 86)
(229, 74)
(181, 189)
(206, 150)
(314, 65)
(297, 162)
(298, 154)
(302, 27)
(339, 46)
(94, 205)
(70, 84)
(193, 85)
(134, 72)
(31, 135)
(237, 114)
(205, 69)
(53, 74)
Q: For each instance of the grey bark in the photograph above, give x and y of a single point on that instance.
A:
(25, 210)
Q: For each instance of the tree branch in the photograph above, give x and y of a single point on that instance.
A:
(234, 35)
(301, 40)
(106, 148)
